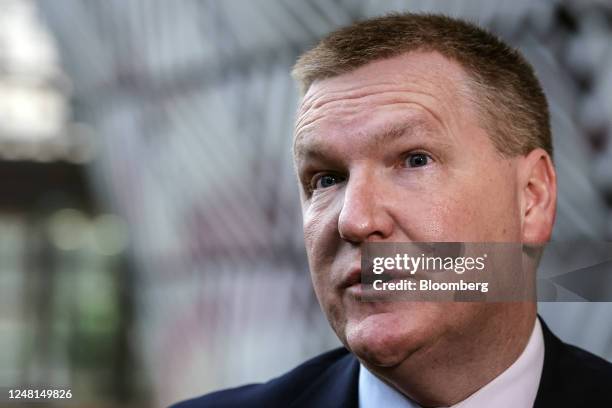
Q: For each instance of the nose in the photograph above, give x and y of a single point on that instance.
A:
(364, 216)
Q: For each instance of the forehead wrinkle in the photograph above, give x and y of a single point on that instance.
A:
(409, 127)
(345, 98)
(396, 94)
(319, 93)
(415, 124)
(315, 105)
(355, 93)
(320, 97)
(412, 119)
(379, 73)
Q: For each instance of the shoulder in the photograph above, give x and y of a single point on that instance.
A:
(280, 391)
(585, 371)
(573, 376)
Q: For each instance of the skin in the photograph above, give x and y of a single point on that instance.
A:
(393, 151)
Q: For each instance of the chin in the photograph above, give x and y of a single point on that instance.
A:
(384, 339)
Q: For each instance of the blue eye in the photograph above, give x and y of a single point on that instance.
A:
(325, 181)
(417, 160)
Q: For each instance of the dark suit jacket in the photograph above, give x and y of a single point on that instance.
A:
(571, 377)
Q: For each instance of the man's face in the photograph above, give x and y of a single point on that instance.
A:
(394, 151)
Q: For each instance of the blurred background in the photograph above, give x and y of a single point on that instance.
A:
(150, 229)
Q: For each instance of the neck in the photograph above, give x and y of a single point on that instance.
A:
(454, 367)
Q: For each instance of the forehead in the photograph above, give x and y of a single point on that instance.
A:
(423, 85)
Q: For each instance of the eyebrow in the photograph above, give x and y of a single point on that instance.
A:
(389, 133)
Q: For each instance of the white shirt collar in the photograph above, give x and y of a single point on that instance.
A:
(516, 387)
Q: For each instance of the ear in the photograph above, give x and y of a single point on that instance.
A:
(538, 192)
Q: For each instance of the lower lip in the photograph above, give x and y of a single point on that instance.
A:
(366, 291)
(361, 291)
(355, 289)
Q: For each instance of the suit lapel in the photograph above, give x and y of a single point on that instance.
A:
(336, 387)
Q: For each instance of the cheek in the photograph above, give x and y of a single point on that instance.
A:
(431, 218)
(497, 209)
(321, 239)
(483, 211)
(320, 231)
(486, 211)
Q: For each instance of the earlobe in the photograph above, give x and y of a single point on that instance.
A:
(539, 196)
